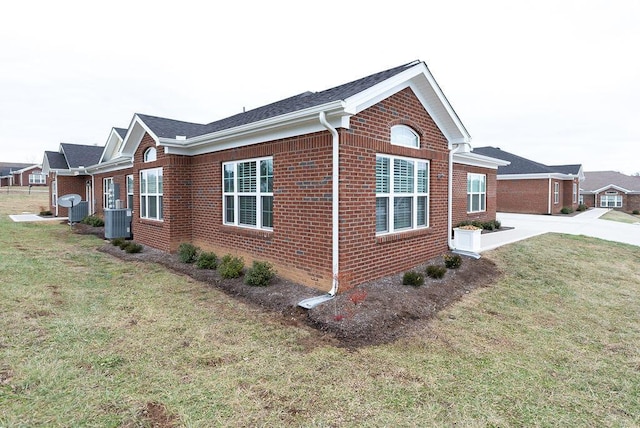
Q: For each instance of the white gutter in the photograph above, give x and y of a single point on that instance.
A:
(335, 201)
(450, 207)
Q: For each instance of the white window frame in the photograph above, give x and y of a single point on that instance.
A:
(108, 199)
(403, 135)
(146, 195)
(392, 195)
(150, 155)
(129, 183)
(482, 193)
(575, 193)
(556, 192)
(232, 192)
(37, 178)
(611, 200)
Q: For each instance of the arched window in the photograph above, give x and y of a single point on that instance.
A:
(402, 135)
(150, 154)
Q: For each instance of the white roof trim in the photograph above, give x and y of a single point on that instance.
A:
(481, 161)
(538, 176)
(135, 132)
(115, 164)
(113, 139)
(610, 186)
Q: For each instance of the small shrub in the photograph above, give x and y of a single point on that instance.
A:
(452, 261)
(435, 271)
(566, 210)
(187, 253)
(581, 207)
(46, 213)
(636, 212)
(413, 278)
(230, 266)
(207, 261)
(260, 274)
(93, 220)
(133, 247)
(123, 244)
(117, 242)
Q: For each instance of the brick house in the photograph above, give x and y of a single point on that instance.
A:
(529, 187)
(349, 184)
(611, 189)
(8, 172)
(31, 175)
(67, 174)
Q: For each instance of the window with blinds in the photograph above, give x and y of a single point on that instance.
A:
(402, 194)
(248, 193)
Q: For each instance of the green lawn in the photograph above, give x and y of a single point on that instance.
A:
(621, 217)
(86, 340)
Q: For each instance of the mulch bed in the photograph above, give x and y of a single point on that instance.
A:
(377, 312)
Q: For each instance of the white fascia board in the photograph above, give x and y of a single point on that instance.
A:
(112, 141)
(23, 170)
(135, 133)
(289, 125)
(71, 172)
(540, 176)
(119, 163)
(424, 86)
(478, 160)
(612, 186)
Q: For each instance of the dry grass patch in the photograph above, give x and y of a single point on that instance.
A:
(621, 217)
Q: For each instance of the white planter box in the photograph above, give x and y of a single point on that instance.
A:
(466, 240)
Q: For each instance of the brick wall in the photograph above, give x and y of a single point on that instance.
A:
(524, 196)
(119, 179)
(459, 210)
(300, 243)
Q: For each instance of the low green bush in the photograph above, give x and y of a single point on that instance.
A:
(566, 210)
(118, 242)
(46, 213)
(230, 266)
(413, 278)
(133, 247)
(486, 225)
(635, 212)
(187, 253)
(260, 275)
(581, 207)
(207, 261)
(436, 271)
(93, 220)
(452, 261)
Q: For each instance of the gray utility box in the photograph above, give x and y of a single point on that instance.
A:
(117, 223)
(78, 212)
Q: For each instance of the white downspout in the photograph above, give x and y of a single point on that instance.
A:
(450, 207)
(335, 200)
(549, 208)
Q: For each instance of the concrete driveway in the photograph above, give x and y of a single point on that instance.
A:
(587, 223)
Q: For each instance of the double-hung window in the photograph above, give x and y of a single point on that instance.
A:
(476, 193)
(151, 194)
(248, 193)
(575, 193)
(402, 194)
(556, 192)
(108, 190)
(130, 192)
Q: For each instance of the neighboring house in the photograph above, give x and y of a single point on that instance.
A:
(8, 173)
(611, 189)
(346, 185)
(529, 187)
(66, 171)
(31, 175)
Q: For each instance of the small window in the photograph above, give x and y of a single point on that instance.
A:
(575, 193)
(151, 194)
(476, 193)
(402, 135)
(130, 192)
(556, 192)
(150, 154)
(108, 189)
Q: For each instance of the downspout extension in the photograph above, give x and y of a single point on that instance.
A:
(335, 200)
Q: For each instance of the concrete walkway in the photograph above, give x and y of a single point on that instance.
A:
(34, 217)
(587, 223)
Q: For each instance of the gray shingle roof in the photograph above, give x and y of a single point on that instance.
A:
(7, 167)
(169, 128)
(78, 155)
(520, 165)
(122, 132)
(56, 160)
(596, 180)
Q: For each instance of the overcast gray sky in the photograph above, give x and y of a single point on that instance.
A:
(557, 81)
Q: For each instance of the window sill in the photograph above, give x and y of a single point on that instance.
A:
(151, 222)
(245, 231)
(400, 236)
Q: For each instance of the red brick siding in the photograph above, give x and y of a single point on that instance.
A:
(566, 188)
(459, 194)
(524, 196)
(119, 178)
(589, 200)
(67, 185)
(630, 202)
